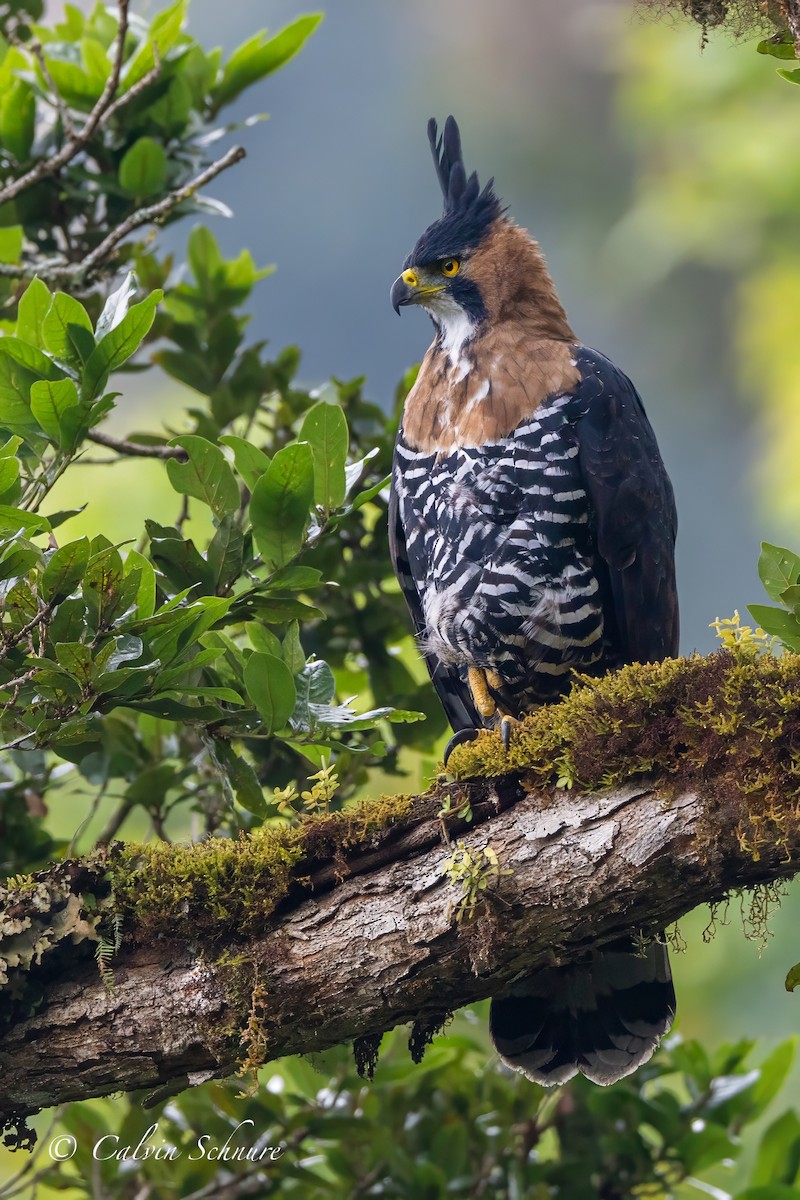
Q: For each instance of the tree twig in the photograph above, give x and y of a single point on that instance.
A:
(48, 166)
(58, 269)
(153, 213)
(62, 107)
(136, 449)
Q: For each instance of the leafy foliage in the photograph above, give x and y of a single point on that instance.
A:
(97, 636)
(457, 1126)
(112, 149)
(779, 570)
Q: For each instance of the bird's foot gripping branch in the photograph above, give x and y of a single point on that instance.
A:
(615, 812)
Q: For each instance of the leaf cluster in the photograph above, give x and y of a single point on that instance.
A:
(104, 112)
(779, 571)
(204, 639)
(455, 1126)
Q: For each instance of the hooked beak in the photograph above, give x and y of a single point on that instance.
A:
(409, 289)
(404, 290)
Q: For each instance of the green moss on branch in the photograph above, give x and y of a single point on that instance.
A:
(727, 724)
(223, 887)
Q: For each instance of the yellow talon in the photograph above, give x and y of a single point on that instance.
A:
(479, 687)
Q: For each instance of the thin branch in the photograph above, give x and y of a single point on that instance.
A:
(60, 104)
(13, 639)
(25, 737)
(136, 449)
(57, 268)
(135, 90)
(115, 822)
(73, 146)
(153, 213)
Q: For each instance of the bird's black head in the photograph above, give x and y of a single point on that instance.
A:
(433, 273)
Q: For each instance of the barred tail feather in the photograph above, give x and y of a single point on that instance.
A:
(603, 1017)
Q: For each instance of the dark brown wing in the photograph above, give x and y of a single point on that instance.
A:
(632, 512)
(451, 689)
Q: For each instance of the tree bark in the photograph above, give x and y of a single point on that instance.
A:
(791, 12)
(375, 940)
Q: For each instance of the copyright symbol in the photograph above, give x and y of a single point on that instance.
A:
(62, 1148)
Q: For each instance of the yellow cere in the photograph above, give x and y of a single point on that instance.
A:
(410, 277)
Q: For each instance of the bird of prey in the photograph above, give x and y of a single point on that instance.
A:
(532, 529)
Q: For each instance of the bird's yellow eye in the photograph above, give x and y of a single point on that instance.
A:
(451, 267)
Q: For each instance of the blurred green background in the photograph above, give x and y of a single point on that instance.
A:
(664, 186)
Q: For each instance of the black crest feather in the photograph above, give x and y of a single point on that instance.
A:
(459, 191)
(468, 211)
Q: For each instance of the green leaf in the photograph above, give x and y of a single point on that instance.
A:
(790, 598)
(789, 76)
(225, 554)
(792, 978)
(117, 346)
(277, 610)
(164, 33)
(702, 1148)
(251, 463)
(76, 659)
(10, 244)
(12, 519)
(780, 45)
(65, 570)
(67, 330)
(779, 623)
(78, 87)
(295, 579)
(171, 111)
(178, 558)
(242, 779)
(10, 448)
(32, 311)
(17, 122)
(260, 56)
(205, 261)
(51, 404)
(778, 1158)
(143, 170)
(325, 430)
(279, 506)
(293, 653)
(271, 688)
(102, 584)
(364, 497)
(17, 562)
(9, 480)
(778, 569)
(775, 1191)
(263, 639)
(28, 356)
(207, 475)
(772, 1074)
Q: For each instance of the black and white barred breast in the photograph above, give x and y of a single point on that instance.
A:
(500, 549)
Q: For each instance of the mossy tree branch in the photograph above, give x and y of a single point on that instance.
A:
(348, 926)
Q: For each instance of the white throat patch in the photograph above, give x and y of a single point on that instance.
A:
(454, 325)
